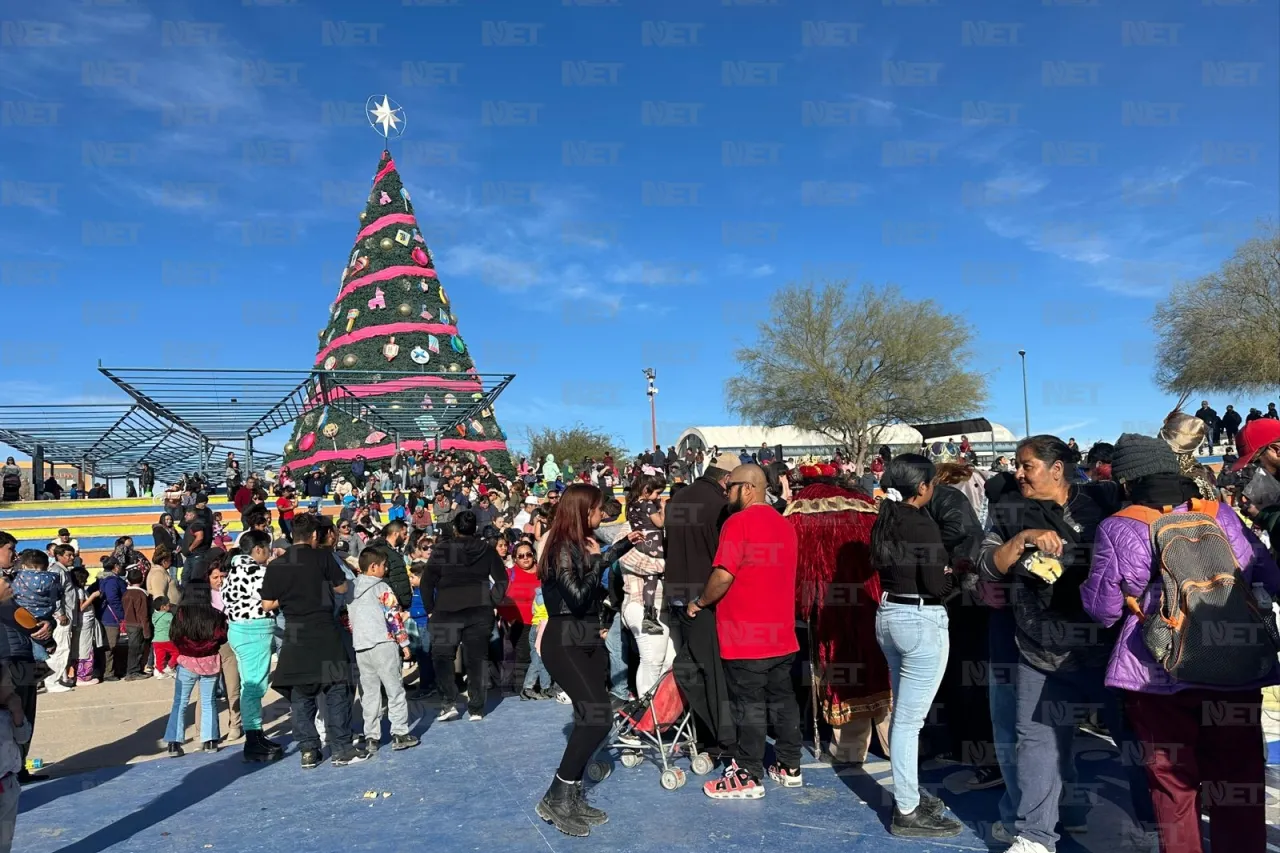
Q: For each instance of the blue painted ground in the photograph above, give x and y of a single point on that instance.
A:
(473, 786)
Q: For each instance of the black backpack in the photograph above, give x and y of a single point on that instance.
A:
(1209, 629)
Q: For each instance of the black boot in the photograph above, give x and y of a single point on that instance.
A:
(922, 822)
(175, 750)
(589, 814)
(258, 749)
(559, 807)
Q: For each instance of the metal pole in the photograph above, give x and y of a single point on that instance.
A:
(1026, 407)
(651, 375)
(248, 456)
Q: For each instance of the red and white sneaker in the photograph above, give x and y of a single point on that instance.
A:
(736, 784)
(785, 776)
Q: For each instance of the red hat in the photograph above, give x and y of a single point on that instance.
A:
(1256, 435)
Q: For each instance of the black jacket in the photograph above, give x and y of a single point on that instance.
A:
(957, 522)
(1208, 415)
(463, 573)
(574, 588)
(397, 575)
(693, 521)
(1231, 420)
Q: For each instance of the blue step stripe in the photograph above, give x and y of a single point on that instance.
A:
(89, 511)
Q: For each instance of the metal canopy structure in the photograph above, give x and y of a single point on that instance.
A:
(244, 405)
(111, 439)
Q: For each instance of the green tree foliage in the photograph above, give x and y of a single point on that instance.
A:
(572, 444)
(849, 363)
(1221, 332)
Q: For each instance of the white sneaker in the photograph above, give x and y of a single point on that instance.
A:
(563, 698)
(475, 718)
(1021, 844)
(447, 714)
(53, 686)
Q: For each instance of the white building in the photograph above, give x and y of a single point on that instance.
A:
(797, 443)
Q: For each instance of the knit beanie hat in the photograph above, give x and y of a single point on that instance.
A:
(1140, 455)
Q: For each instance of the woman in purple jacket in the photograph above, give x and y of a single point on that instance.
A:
(1191, 734)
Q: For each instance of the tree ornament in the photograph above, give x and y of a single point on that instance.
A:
(455, 341)
(329, 337)
(331, 432)
(402, 237)
(378, 301)
(486, 413)
(374, 437)
(450, 400)
(477, 396)
(420, 257)
(404, 309)
(320, 334)
(369, 243)
(354, 444)
(477, 427)
(363, 216)
(288, 447)
(426, 312)
(426, 403)
(359, 265)
(351, 318)
(307, 442)
(455, 368)
(349, 360)
(364, 410)
(404, 194)
(433, 343)
(417, 236)
(384, 198)
(424, 285)
(391, 349)
(395, 405)
(330, 363)
(386, 244)
(419, 356)
(462, 431)
(444, 300)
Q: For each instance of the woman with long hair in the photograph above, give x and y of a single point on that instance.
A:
(198, 631)
(573, 648)
(911, 628)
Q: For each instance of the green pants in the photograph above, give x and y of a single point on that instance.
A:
(251, 641)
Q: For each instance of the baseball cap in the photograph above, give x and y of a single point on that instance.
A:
(530, 500)
(1253, 438)
(62, 531)
(726, 462)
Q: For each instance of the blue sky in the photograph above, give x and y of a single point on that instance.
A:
(610, 186)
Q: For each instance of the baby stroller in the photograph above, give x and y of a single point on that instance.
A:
(661, 724)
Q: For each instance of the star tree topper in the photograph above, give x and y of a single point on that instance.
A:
(386, 118)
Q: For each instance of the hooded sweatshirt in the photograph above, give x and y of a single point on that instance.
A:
(550, 470)
(374, 614)
(463, 573)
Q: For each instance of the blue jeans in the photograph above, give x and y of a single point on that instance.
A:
(915, 643)
(1002, 694)
(537, 671)
(617, 659)
(1050, 706)
(176, 731)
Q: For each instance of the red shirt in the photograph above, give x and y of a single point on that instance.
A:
(518, 606)
(243, 499)
(286, 508)
(756, 619)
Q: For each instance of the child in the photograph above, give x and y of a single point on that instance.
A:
(39, 591)
(381, 642)
(90, 636)
(537, 669)
(645, 564)
(166, 652)
(137, 618)
(419, 638)
(15, 731)
(198, 630)
(221, 539)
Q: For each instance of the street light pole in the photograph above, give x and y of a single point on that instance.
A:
(1026, 407)
(650, 374)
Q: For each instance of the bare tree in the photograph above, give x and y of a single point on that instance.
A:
(1221, 332)
(847, 365)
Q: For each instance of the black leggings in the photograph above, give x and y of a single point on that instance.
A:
(575, 655)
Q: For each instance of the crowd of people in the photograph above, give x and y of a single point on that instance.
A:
(899, 586)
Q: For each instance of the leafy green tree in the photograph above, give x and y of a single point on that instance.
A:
(847, 364)
(572, 444)
(1221, 332)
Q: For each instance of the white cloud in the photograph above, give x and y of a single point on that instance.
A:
(737, 265)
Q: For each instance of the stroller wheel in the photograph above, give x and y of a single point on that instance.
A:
(682, 777)
(671, 779)
(702, 764)
(598, 771)
(632, 759)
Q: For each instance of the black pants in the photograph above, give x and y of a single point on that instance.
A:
(115, 652)
(762, 697)
(700, 673)
(26, 685)
(304, 700)
(575, 655)
(470, 628)
(518, 636)
(137, 649)
(966, 707)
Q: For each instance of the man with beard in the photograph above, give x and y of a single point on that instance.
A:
(838, 592)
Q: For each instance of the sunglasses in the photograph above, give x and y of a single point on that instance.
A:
(524, 555)
(732, 483)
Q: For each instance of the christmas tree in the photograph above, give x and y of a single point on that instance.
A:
(391, 314)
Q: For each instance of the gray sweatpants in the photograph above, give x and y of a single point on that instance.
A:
(379, 671)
